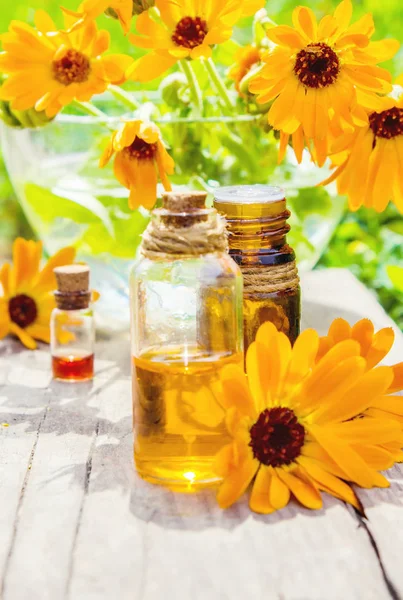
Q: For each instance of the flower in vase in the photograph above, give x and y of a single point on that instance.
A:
(369, 160)
(123, 10)
(64, 66)
(245, 59)
(140, 158)
(320, 76)
(374, 347)
(185, 29)
(293, 423)
(26, 297)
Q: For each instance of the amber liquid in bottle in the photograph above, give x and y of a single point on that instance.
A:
(257, 222)
(179, 418)
(73, 367)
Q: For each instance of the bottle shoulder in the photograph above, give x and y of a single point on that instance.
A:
(217, 263)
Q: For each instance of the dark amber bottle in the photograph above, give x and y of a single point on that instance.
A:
(257, 222)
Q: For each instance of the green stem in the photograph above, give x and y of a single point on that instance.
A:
(219, 84)
(93, 111)
(124, 97)
(89, 109)
(194, 86)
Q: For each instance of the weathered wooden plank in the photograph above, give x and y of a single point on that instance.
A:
(89, 528)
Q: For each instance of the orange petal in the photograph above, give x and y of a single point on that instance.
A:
(279, 493)
(224, 460)
(363, 332)
(46, 279)
(150, 67)
(5, 272)
(305, 22)
(23, 336)
(381, 344)
(339, 330)
(236, 391)
(237, 482)
(143, 189)
(39, 332)
(304, 490)
(342, 453)
(397, 383)
(376, 457)
(4, 318)
(303, 356)
(356, 396)
(259, 500)
(332, 484)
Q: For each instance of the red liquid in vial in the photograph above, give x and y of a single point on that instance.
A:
(73, 368)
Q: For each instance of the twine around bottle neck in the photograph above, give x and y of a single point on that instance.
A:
(184, 235)
(270, 279)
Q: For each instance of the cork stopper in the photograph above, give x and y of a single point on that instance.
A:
(72, 278)
(184, 202)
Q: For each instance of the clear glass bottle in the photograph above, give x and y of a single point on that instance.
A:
(257, 222)
(72, 326)
(186, 305)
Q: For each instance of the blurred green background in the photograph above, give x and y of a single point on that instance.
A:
(370, 245)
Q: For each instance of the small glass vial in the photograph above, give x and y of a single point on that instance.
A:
(257, 222)
(72, 325)
(186, 306)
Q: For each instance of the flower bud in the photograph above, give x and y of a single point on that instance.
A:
(22, 119)
(175, 90)
(139, 6)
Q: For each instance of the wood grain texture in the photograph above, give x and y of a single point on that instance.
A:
(76, 522)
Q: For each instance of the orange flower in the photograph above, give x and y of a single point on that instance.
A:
(245, 59)
(374, 347)
(184, 29)
(91, 9)
(140, 157)
(292, 420)
(318, 76)
(48, 69)
(369, 160)
(26, 301)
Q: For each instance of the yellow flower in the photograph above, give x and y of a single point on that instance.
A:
(293, 424)
(245, 59)
(186, 29)
(48, 69)
(26, 301)
(140, 158)
(319, 75)
(374, 347)
(91, 9)
(370, 160)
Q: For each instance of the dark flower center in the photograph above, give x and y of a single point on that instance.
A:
(277, 438)
(190, 32)
(387, 124)
(74, 67)
(141, 150)
(317, 65)
(22, 310)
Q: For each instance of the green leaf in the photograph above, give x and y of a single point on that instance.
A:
(396, 226)
(395, 274)
(225, 53)
(123, 244)
(80, 207)
(311, 200)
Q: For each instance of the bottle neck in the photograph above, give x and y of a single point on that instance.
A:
(258, 234)
(256, 229)
(72, 300)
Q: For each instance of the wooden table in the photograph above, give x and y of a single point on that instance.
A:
(76, 522)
